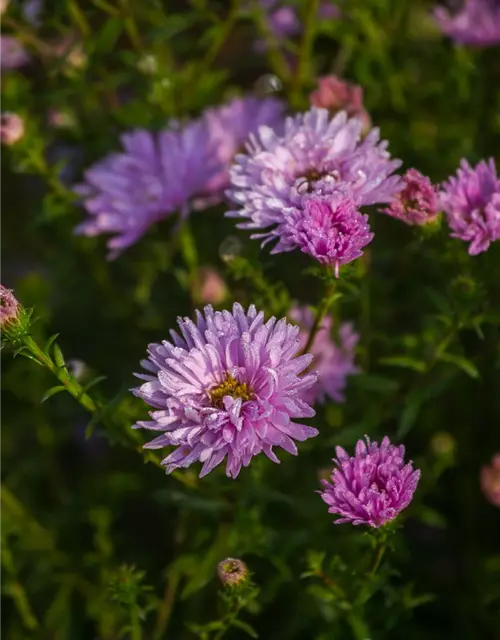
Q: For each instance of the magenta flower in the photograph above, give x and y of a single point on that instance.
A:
(11, 128)
(328, 228)
(474, 23)
(125, 193)
(12, 53)
(9, 306)
(471, 202)
(490, 480)
(333, 362)
(418, 202)
(228, 387)
(230, 127)
(373, 486)
(335, 94)
(316, 156)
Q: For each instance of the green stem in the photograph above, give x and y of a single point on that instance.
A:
(377, 557)
(305, 51)
(135, 624)
(229, 620)
(276, 58)
(320, 315)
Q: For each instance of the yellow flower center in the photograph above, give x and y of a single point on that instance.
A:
(230, 387)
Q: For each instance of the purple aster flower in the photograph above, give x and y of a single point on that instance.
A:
(316, 156)
(12, 53)
(157, 174)
(418, 202)
(373, 486)
(230, 127)
(471, 202)
(327, 227)
(332, 362)
(475, 22)
(228, 387)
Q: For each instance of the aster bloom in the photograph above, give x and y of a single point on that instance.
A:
(317, 156)
(471, 201)
(373, 486)
(155, 175)
(11, 128)
(228, 387)
(9, 307)
(333, 362)
(230, 127)
(12, 53)
(474, 23)
(490, 480)
(335, 94)
(418, 202)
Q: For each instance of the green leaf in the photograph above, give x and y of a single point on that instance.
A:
(58, 356)
(244, 626)
(371, 382)
(49, 343)
(462, 363)
(52, 392)
(105, 40)
(405, 362)
(408, 418)
(93, 383)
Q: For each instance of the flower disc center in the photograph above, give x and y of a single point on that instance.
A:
(230, 387)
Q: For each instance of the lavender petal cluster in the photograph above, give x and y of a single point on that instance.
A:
(229, 386)
(317, 158)
(471, 201)
(12, 53)
(373, 486)
(418, 201)
(333, 362)
(473, 23)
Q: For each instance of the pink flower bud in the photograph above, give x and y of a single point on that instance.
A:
(11, 128)
(232, 572)
(490, 480)
(335, 95)
(210, 288)
(9, 307)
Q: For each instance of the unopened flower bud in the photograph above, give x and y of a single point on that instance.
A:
(230, 248)
(232, 572)
(11, 128)
(490, 480)
(209, 287)
(9, 307)
(336, 95)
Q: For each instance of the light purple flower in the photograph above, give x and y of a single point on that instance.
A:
(157, 174)
(333, 362)
(471, 201)
(418, 202)
(228, 387)
(11, 128)
(12, 53)
(474, 23)
(316, 156)
(230, 127)
(373, 486)
(327, 227)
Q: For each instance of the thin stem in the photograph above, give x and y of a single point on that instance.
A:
(305, 50)
(320, 315)
(135, 623)
(275, 55)
(377, 557)
(229, 619)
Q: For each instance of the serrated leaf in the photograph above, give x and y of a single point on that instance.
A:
(52, 392)
(462, 363)
(244, 626)
(404, 361)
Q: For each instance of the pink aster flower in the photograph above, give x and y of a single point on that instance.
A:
(373, 486)
(155, 175)
(474, 23)
(490, 480)
(418, 202)
(336, 94)
(316, 156)
(471, 201)
(9, 307)
(228, 387)
(11, 128)
(12, 53)
(327, 227)
(230, 127)
(333, 362)
(209, 287)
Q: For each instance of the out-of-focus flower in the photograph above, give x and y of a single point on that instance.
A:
(230, 249)
(336, 95)
(3, 6)
(373, 486)
(11, 128)
(230, 127)
(418, 202)
(471, 201)
(490, 480)
(32, 10)
(125, 193)
(12, 53)
(327, 227)
(209, 287)
(228, 387)
(148, 64)
(332, 362)
(9, 307)
(71, 50)
(61, 119)
(315, 157)
(474, 22)
(443, 444)
(232, 572)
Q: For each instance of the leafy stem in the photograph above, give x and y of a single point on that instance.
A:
(321, 312)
